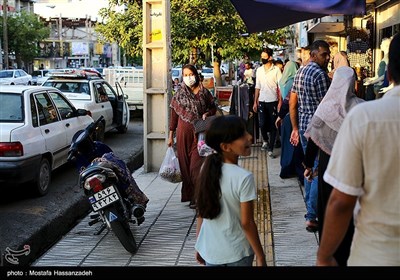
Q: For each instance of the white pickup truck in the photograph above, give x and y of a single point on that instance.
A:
(131, 81)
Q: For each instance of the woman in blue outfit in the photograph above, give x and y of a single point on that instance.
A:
(291, 156)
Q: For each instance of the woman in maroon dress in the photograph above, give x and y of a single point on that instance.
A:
(191, 102)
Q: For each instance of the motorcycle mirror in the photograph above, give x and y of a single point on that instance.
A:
(82, 135)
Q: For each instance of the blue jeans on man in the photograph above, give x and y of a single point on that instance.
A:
(311, 188)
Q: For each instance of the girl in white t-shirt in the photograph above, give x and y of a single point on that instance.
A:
(226, 231)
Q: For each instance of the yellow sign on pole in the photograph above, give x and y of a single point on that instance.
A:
(156, 22)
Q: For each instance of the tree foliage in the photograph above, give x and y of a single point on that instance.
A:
(194, 24)
(25, 31)
(197, 27)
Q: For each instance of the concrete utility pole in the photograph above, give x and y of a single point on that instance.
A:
(157, 81)
(5, 34)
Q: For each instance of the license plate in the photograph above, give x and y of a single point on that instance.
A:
(103, 198)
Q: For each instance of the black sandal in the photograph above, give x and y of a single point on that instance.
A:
(312, 226)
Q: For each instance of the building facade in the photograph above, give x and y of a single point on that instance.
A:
(72, 44)
(359, 36)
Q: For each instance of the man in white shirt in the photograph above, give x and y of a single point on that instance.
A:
(364, 167)
(267, 99)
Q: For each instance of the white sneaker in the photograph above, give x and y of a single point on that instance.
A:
(271, 155)
(264, 146)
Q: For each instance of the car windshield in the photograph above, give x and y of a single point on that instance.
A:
(11, 107)
(65, 86)
(38, 73)
(6, 74)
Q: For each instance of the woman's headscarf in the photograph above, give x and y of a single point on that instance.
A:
(339, 60)
(286, 81)
(329, 116)
(190, 106)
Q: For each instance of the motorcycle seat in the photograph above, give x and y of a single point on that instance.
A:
(94, 169)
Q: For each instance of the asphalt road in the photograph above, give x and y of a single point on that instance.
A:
(38, 222)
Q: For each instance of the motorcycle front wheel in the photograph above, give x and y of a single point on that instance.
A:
(123, 232)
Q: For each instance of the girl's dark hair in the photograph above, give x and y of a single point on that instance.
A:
(223, 129)
(192, 68)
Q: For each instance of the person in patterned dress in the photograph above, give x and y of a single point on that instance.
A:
(191, 102)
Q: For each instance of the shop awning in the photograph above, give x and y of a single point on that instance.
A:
(263, 15)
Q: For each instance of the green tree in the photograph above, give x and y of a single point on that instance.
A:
(25, 31)
(197, 27)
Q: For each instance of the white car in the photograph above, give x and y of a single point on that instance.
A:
(207, 72)
(15, 77)
(36, 128)
(87, 90)
(39, 76)
(176, 73)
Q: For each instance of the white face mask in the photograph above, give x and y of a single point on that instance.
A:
(189, 80)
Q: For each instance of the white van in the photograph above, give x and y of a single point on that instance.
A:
(176, 73)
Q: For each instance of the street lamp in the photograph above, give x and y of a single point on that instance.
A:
(59, 24)
(60, 35)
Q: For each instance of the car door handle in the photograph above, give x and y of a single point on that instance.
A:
(46, 130)
(67, 124)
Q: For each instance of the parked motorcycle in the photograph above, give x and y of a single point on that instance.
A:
(112, 192)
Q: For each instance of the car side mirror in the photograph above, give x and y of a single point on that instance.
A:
(82, 112)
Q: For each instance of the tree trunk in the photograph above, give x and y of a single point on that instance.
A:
(217, 73)
(19, 61)
(193, 56)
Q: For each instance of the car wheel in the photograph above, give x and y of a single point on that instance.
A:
(29, 83)
(42, 181)
(99, 132)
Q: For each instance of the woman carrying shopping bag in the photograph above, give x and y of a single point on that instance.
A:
(191, 102)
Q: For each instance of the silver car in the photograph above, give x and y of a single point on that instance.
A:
(15, 77)
(36, 128)
(87, 90)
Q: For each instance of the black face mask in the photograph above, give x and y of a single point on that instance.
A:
(264, 61)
